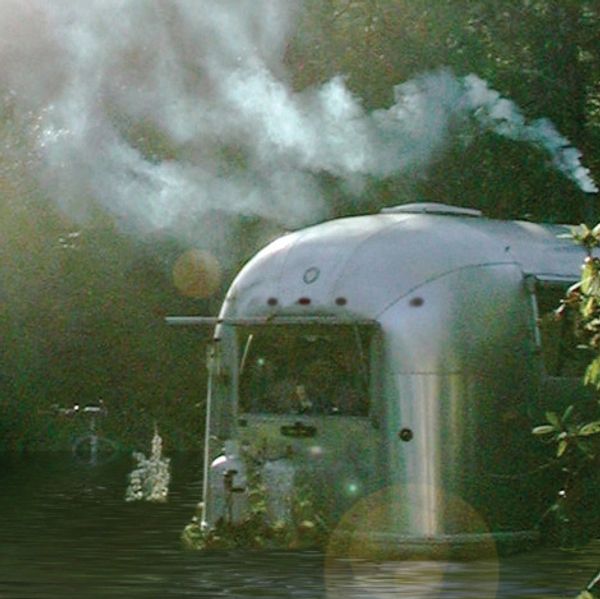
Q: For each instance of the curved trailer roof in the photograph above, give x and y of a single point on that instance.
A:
(360, 265)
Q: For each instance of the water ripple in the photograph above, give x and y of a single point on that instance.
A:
(67, 532)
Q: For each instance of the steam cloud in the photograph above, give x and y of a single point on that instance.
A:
(99, 85)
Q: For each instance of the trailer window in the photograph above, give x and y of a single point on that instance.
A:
(311, 370)
(561, 353)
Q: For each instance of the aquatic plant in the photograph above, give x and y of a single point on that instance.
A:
(298, 525)
(150, 480)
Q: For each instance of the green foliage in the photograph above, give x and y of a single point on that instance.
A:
(81, 302)
(307, 528)
(543, 54)
(583, 235)
(81, 320)
(576, 432)
(567, 434)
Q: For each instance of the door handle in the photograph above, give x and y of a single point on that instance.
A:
(298, 429)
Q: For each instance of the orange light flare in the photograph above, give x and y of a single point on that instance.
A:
(197, 274)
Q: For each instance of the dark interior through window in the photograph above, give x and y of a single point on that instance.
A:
(561, 352)
(300, 369)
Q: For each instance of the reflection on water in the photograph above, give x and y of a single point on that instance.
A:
(66, 531)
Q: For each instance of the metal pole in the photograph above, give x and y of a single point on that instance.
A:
(210, 364)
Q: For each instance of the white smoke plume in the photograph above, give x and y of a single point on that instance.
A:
(100, 84)
(504, 117)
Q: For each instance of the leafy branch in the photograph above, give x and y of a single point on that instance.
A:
(576, 432)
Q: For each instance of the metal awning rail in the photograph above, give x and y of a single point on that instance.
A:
(268, 320)
(554, 280)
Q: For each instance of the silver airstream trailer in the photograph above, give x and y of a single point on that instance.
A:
(391, 367)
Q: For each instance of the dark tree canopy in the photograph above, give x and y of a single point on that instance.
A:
(82, 303)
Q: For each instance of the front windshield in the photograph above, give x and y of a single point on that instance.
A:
(299, 369)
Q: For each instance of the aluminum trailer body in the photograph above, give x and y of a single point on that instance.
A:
(394, 364)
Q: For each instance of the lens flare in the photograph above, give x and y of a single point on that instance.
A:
(372, 552)
(352, 488)
(197, 274)
(316, 451)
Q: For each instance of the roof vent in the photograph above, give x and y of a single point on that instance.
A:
(431, 208)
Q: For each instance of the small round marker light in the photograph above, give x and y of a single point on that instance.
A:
(406, 435)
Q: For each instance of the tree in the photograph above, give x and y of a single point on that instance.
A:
(544, 54)
(576, 432)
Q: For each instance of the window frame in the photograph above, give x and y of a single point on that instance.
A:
(558, 285)
(365, 340)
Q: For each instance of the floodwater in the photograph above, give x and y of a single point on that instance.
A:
(66, 531)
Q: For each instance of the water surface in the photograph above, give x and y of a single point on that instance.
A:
(66, 531)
